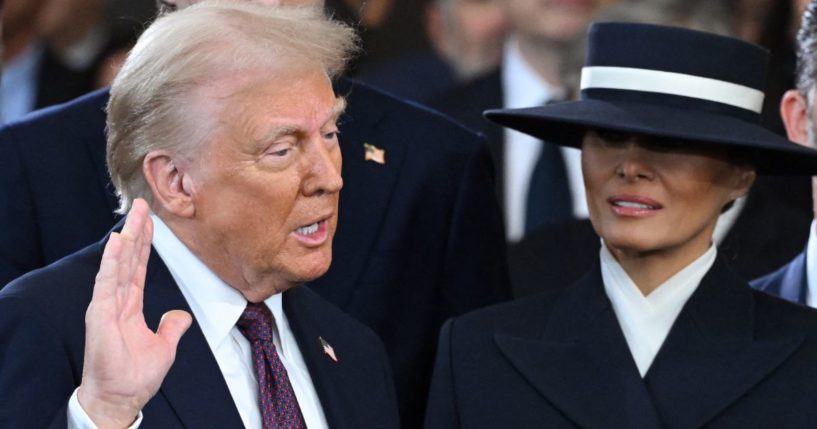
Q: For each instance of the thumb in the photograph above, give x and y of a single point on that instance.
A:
(173, 325)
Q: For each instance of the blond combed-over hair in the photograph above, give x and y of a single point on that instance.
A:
(152, 97)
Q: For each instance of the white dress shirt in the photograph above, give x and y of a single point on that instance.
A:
(217, 307)
(646, 320)
(522, 87)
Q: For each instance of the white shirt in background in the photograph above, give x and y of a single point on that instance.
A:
(522, 87)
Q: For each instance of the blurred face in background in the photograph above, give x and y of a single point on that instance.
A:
(19, 16)
(556, 21)
(63, 22)
(468, 34)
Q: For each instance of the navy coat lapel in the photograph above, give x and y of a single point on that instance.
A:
(194, 387)
(366, 184)
(582, 364)
(710, 357)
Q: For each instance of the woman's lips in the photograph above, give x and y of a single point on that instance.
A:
(634, 205)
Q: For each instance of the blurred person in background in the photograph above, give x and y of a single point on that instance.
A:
(540, 36)
(466, 39)
(796, 281)
(54, 49)
(22, 59)
(85, 38)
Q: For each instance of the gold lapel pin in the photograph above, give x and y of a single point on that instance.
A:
(374, 154)
(327, 349)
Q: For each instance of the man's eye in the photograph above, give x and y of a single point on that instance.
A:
(279, 151)
(331, 135)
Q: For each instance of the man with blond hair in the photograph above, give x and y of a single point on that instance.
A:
(223, 149)
(420, 233)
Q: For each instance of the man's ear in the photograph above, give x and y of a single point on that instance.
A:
(173, 189)
(794, 111)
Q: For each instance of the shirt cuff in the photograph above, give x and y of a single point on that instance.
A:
(78, 419)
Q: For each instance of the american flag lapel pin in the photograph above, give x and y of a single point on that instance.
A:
(374, 154)
(327, 349)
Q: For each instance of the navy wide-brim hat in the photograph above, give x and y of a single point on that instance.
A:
(668, 82)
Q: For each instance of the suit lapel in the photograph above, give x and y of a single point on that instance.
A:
(366, 184)
(582, 364)
(194, 387)
(334, 381)
(710, 357)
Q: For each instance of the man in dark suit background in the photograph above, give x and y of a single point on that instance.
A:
(224, 119)
(540, 38)
(420, 236)
(795, 280)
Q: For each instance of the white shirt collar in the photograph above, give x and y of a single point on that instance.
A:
(522, 86)
(215, 304)
(647, 320)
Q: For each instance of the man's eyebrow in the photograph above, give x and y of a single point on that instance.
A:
(284, 130)
(276, 133)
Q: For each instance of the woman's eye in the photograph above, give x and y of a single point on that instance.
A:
(610, 136)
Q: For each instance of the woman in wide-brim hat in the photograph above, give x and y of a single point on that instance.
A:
(661, 333)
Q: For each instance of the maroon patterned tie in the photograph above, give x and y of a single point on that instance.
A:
(279, 407)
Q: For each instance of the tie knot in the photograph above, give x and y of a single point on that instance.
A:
(256, 322)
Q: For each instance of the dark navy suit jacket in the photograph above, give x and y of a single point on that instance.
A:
(790, 282)
(419, 238)
(734, 358)
(42, 337)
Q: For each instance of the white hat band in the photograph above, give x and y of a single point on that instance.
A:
(685, 85)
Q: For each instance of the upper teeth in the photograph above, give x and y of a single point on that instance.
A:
(633, 205)
(306, 230)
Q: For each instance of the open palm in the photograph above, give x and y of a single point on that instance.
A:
(125, 361)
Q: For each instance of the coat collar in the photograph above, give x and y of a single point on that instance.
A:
(582, 364)
(712, 357)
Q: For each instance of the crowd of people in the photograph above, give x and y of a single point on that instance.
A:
(308, 213)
